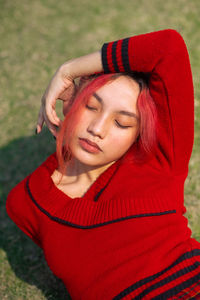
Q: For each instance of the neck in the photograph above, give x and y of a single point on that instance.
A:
(78, 171)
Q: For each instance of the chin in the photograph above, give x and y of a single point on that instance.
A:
(85, 157)
(90, 159)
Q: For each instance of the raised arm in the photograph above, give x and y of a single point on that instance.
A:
(164, 55)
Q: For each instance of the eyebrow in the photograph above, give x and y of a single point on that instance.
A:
(122, 112)
(97, 97)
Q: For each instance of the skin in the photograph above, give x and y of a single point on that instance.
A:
(61, 87)
(100, 123)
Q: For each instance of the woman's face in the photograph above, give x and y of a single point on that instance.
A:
(110, 119)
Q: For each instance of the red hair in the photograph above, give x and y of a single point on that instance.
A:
(144, 145)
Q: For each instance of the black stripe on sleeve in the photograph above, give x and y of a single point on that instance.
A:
(175, 290)
(125, 58)
(178, 288)
(146, 280)
(114, 57)
(104, 58)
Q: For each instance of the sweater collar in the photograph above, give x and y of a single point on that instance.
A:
(53, 202)
(114, 196)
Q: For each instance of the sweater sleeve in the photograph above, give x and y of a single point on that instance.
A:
(22, 211)
(20, 207)
(163, 55)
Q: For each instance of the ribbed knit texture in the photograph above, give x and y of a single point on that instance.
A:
(127, 237)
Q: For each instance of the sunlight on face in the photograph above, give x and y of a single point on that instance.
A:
(109, 123)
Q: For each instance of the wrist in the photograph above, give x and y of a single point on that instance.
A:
(82, 66)
(66, 70)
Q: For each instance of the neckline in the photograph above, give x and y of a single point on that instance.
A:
(96, 182)
(114, 204)
(81, 212)
(48, 185)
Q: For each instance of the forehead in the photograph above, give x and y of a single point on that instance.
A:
(122, 91)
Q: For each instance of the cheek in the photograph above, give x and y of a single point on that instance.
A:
(82, 122)
(122, 142)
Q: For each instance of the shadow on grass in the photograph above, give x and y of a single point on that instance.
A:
(18, 159)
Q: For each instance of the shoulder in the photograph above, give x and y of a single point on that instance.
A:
(46, 167)
(18, 201)
(19, 205)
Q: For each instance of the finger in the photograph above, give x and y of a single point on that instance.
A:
(51, 113)
(40, 121)
(56, 117)
(54, 90)
(51, 127)
(50, 102)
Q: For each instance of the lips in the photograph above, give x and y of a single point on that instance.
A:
(91, 143)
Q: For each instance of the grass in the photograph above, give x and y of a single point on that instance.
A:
(36, 37)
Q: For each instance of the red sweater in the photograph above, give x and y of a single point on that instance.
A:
(127, 237)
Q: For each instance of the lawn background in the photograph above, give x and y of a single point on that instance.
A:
(35, 38)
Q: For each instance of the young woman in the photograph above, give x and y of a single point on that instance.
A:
(108, 207)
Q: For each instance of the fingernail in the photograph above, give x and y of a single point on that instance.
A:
(36, 131)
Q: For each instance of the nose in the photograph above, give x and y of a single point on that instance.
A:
(98, 127)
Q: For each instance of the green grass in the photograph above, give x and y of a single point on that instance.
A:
(36, 37)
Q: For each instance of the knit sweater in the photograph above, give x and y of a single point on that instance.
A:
(127, 237)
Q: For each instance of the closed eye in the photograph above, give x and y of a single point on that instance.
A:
(117, 123)
(90, 107)
(122, 126)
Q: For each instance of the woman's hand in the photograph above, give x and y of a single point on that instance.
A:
(62, 87)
